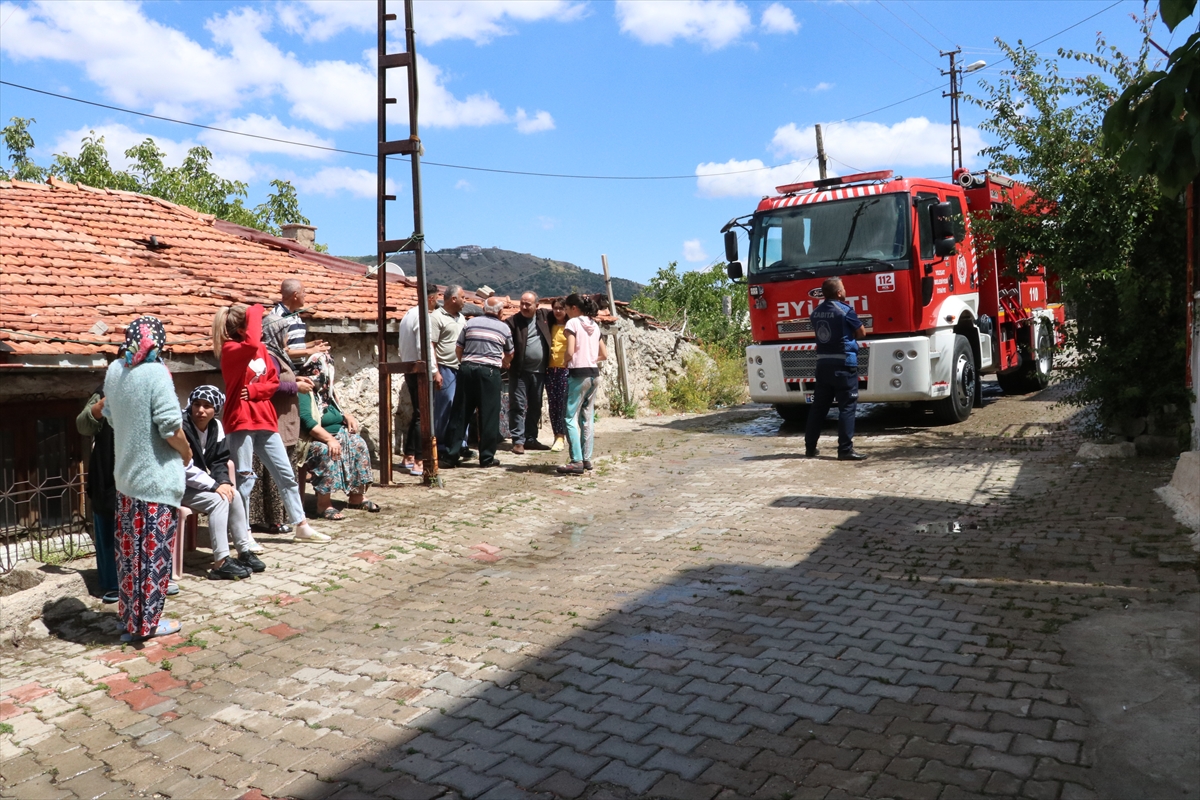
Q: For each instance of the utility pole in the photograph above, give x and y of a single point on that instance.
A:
(956, 161)
(821, 163)
(410, 147)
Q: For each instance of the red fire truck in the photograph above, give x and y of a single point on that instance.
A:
(938, 312)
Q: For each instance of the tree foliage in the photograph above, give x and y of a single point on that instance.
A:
(193, 183)
(1113, 239)
(696, 297)
(1154, 126)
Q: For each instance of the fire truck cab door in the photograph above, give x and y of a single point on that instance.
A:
(927, 258)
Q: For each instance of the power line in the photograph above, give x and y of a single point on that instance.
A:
(998, 63)
(896, 39)
(930, 24)
(878, 49)
(905, 24)
(329, 149)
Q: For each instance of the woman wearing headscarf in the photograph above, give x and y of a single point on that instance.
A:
(150, 451)
(266, 503)
(251, 423)
(338, 458)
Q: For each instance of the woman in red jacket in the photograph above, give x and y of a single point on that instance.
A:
(250, 422)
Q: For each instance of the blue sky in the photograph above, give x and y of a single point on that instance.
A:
(703, 90)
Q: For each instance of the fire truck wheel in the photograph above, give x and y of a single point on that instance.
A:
(1034, 373)
(957, 407)
(792, 413)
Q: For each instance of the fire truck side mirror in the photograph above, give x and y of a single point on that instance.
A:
(734, 270)
(731, 247)
(941, 219)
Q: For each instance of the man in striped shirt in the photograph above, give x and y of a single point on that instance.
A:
(485, 346)
(292, 293)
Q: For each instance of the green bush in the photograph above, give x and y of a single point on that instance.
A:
(695, 298)
(718, 381)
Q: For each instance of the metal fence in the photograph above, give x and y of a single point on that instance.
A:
(44, 522)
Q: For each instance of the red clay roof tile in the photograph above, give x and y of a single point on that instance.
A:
(72, 256)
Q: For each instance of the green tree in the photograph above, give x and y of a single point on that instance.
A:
(19, 141)
(1154, 126)
(193, 183)
(696, 297)
(1113, 239)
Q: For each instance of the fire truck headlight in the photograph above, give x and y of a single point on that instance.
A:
(762, 373)
(912, 353)
(763, 385)
(896, 383)
(897, 368)
(758, 360)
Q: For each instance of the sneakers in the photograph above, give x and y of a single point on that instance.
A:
(255, 547)
(574, 468)
(306, 533)
(534, 444)
(110, 597)
(559, 444)
(230, 570)
(172, 588)
(251, 562)
(518, 449)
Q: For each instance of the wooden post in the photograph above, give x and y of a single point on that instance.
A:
(821, 163)
(618, 342)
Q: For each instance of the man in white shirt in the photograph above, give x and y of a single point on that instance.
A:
(410, 350)
(444, 326)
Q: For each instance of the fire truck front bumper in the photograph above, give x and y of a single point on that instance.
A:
(889, 370)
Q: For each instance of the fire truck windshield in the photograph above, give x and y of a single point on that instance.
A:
(831, 238)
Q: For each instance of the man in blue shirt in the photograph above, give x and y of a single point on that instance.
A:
(837, 328)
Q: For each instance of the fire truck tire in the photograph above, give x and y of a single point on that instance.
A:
(792, 413)
(963, 376)
(1034, 373)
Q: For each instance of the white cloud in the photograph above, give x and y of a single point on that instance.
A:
(750, 178)
(778, 18)
(712, 23)
(914, 142)
(464, 185)
(332, 181)
(114, 43)
(693, 251)
(435, 20)
(823, 86)
(541, 121)
(265, 126)
(439, 107)
(547, 223)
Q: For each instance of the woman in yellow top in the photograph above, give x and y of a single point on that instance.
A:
(556, 375)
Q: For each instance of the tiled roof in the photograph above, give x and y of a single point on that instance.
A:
(77, 264)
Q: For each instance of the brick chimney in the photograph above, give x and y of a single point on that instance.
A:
(303, 235)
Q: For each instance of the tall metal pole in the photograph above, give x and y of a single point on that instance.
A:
(429, 444)
(385, 378)
(956, 160)
(821, 163)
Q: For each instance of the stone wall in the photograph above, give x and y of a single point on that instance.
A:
(652, 356)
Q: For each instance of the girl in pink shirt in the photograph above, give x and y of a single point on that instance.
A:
(585, 351)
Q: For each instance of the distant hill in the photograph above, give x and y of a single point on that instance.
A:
(508, 272)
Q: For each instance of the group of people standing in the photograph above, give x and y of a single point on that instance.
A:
(150, 457)
(555, 349)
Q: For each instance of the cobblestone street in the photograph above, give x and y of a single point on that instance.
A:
(707, 615)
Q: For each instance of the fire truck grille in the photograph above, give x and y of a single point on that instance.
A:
(802, 328)
(801, 365)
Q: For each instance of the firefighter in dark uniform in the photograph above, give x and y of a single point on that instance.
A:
(837, 328)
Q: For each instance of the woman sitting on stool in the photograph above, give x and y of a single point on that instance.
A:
(338, 459)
